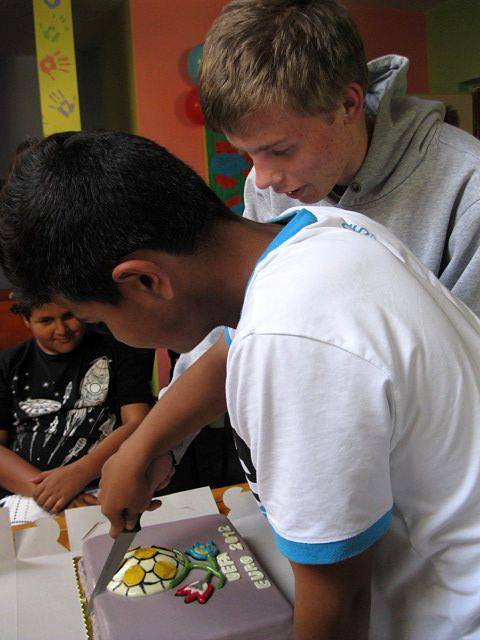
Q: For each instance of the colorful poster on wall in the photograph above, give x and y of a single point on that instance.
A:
(57, 72)
(227, 170)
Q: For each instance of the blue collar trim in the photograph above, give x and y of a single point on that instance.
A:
(295, 222)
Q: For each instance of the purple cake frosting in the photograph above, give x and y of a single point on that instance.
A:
(248, 607)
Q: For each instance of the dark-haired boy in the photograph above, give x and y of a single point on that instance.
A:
(353, 375)
(68, 398)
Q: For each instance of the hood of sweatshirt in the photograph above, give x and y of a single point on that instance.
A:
(404, 127)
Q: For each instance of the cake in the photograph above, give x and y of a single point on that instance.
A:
(192, 578)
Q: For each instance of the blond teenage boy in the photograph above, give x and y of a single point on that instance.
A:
(288, 82)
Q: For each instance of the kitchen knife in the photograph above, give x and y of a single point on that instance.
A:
(119, 548)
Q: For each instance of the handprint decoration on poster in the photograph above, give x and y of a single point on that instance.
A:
(57, 73)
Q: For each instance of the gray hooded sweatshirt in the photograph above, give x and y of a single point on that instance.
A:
(420, 178)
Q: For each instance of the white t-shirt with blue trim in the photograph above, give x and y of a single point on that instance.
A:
(353, 387)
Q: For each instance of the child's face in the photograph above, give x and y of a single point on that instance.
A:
(55, 329)
(303, 157)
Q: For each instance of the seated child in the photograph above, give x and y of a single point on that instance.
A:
(62, 393)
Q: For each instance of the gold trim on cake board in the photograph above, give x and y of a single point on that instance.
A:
(87, 622)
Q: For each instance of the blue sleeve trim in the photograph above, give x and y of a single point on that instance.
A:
(228, 338)
(330, 552)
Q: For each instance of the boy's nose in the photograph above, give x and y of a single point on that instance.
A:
(265, 177)
(61, 328)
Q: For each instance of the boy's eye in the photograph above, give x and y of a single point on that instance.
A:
(280, 152)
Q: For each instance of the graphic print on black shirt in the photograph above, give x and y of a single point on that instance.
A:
(53, 431)
(245, 458)
(58, 407)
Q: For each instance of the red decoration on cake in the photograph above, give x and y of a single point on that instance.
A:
(199, 591)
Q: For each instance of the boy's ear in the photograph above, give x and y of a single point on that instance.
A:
(352, 102)
(143, 276)
(26, 321)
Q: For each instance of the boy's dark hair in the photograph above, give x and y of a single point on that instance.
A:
(298, 55)
(22, 306)
(76, 204)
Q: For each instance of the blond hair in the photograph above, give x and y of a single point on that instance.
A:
(298, 55)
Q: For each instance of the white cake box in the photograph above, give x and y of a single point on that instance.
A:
(38, 593)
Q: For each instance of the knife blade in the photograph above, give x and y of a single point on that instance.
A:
(119, 548)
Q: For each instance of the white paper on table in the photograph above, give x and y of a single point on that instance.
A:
(38, 541)
(48, 603)
(8, 580)
(38, 591)
(254, 528)
(45, 594)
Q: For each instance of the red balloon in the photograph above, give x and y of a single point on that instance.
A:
(193, 108)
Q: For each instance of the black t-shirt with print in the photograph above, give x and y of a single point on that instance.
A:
(57, 407)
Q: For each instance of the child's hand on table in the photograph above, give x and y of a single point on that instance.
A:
(56, 488)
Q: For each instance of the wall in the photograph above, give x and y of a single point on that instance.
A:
(162, 37)
(117, 75)
(104, 66)
(19, 105)
(19, 109)
(453, 44)
(12, 327)
(89, 88)
(395, 31)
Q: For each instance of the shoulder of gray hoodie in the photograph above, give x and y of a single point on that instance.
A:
(420, 178)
